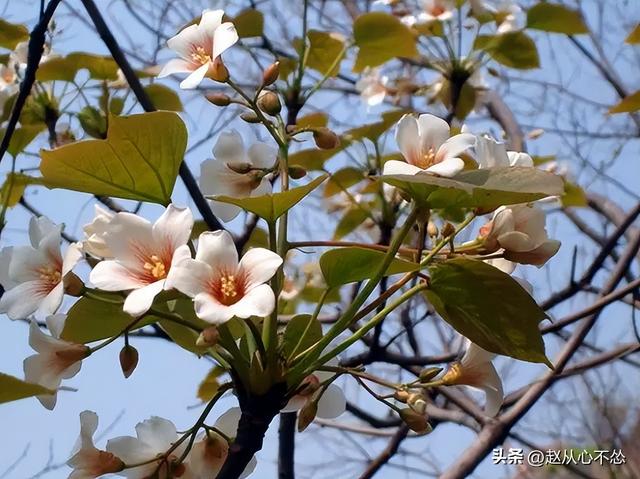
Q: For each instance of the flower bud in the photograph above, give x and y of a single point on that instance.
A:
(270, 74)
(325, 138)
(401, 395)
(307, 415)
(128, 359)
(218, 99)
(309, 385)
(250, 117)
(432, 229)
(428, 374)
(218, 71)
(297, 172)
(416, 422)
(208, 337)
(269, 102)
(417, 403)
(447, 230)
(73, 285)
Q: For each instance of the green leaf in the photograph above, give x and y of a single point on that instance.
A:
(91, 320)
(486, 188)
(272, 206)
(249, 23)
(210, 385)
(373, 131)
(12, 389)
(325, 49)
(573, 195)
(66, 68)
(13, 188)
(139, 160)
(313, 159)
(342, 179)
(488, 307)
(513, 49)
(312, 120)
(11, 34)
(163, 97)
(381, 37)
(22, 137)
(348, 265)
(552, 17)
(349, 222)
(93, 122)
(183, 335)
(301, 333)
(629, 104)
(634, 36)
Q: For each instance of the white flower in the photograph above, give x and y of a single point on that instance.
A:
(221, 286)
(236, 172)
(95, 233)
(476, 370)
(210, 451)
(491, 153)
(435, 10)
(144, 255)
(372, 86)
(426, 147)
(36, 272)
(520, 231)
(87, 461)
(55, 360)
(199, 46)
(509, 16)
(154, 437)
(19, 56)
(8, 84)
(331, 404)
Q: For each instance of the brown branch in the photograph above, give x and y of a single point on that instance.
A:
(387, 453)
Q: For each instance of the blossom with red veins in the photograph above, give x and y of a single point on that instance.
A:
(432, 11)
(476, 370)
(223, 287)
(87, 461)
(144, 255)
(35, 274)
(427, 148)
(55, 360)
(199, 46)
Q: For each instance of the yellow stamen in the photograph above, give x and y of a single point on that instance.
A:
(228, 286)
(200, 56)
(50, 275)
(427, 159)
(156, 267)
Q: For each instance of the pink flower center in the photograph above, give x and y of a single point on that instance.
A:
(425, 159)
(50, 276)
(228, 288)
(155, 267)
(200, 56)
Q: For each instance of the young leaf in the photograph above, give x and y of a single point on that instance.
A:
(66, 68)
(488, 307)
(11, 34)
(348, 265)
(353, 218)
(381, 37)
(302, 332)
(209, 385)
(313, 159)
(249, 23)
(325, 50)
(139, 159)
(13, 188)
(341, 180)
(487, 188)
(512, 49)
(272, 206)
(373, 131)
(22, 137)
(12, 389)
(628, 104)
(634, 36)
(163, 97)
(552, 17)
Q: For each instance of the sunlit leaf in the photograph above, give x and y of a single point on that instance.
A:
(342, 179)
(22, 137)
(210, 384)
(573, 195)
(629, 104)
(249, 23)
(488, 307)
(513, 49)
(373, 131)
(552, 17)
(11, 34)
(312, 120)
(634, 36)
(381, 37)
(163, 97)
(13, 188)
(301, 333)
(139, 160)
(66, 68)
(325, 50)
(272, 206)
(348, 265)
(13, 389)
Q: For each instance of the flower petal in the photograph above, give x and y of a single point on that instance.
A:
(173, 228)
(258, 266)
(132, 451)
(520, 159)
(52, 301)
(217, 249)
(195, 78)
(433, 132)
(229, 148)
(111, 275)
(228, 422)
(258, 301)
(185, 40)
(157, 433)
(332, 403)
(223, 38)
(210, 310)
(395, 167)
(189, 277)
(490, 153)
(408, 139)
(447, 168)
(140, 300)
(23, 300)
(210, 20)
(176, 65)
(262, 155)
(455, 145)
(225, 211)
(128, 234)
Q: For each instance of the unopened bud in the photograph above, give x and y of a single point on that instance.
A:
(271, 74)
(297, 172)
(309, 385)
(402, 396)
(269, 102)
(432, 229)
(208, 337)
(416, 422)
(218, 99)
(428, 374)
(73, 285)
(325, 138)
(417, 403)
(128, 359)
(240, 167)
(307, 415)
(250, 117)
(447, 230)
(218, 71)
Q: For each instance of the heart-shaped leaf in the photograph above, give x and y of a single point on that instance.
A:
(12, 389)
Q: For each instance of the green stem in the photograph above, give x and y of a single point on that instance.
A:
(444, 241)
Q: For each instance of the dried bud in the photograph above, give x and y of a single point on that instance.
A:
(307, 415)
(325, 138)
(270, 74)
(297, 172)
(218, 71)
(208, 337)
(128, 359)
(432, 229)
(250, 117)
(269, 102)
(428, 374)
(309, 385)
(416, 422)
(447, 230)
(218, 99)
(240, 167)
(417, 403)
(73, 285)
(401, 395)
